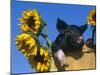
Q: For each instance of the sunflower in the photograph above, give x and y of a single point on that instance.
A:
(91, 19)
(41, 61)
(26, 44)
(31, 21)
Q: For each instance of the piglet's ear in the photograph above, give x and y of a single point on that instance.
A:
(61, 25)
(83, 28)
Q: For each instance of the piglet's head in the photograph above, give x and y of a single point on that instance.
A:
(72, 34)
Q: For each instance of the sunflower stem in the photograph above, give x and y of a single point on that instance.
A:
(45, 36)
(47, 41)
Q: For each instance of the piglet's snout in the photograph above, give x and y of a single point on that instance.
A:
(80, 40)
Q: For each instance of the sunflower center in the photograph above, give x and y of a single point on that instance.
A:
(94, 17)
(39, 58)
(24, 46)
(31, 21)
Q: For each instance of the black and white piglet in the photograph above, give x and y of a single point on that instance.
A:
(69, 38)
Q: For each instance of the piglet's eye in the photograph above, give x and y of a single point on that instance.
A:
(68, 31)
(71, 32)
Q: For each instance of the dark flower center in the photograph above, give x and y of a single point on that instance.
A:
(31, 22)
(39, 58)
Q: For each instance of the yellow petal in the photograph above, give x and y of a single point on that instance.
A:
(27, 14)
(36, 13)
(23, 50)
(31, 45)
(46, 68)
(26, 17)
(38, 66)
(41, 51)
(34, 51)
(24, 27)
(37, 18)
(48, 64)
(42, 68)
(37, 23)
(30, 13)
(22, 20)
(35, 32)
